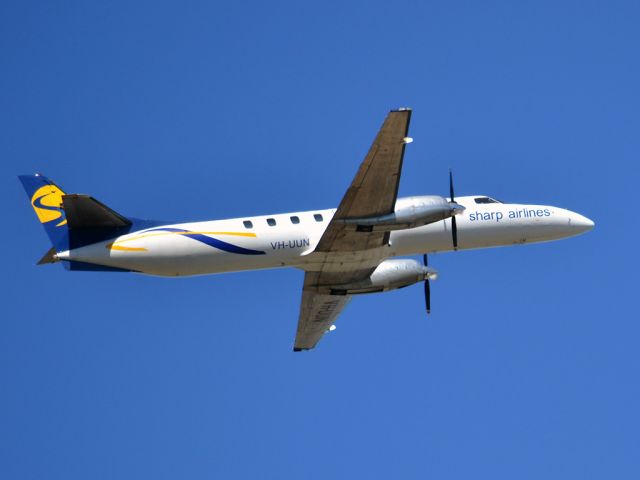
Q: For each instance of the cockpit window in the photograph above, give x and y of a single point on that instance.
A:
(486, 200)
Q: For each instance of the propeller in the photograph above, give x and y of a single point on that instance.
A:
(427, 287)
(454, 226)
(454, 234)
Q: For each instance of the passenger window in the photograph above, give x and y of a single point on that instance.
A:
(295, 220)
(271, 222)
(248, 224)
(318, 217)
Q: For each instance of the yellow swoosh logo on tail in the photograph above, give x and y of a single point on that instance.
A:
(47, 203)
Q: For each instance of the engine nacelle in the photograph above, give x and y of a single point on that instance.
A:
(410, 212)
(390, 275)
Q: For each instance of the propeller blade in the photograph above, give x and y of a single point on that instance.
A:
(427, 295)
(454, 225)
(427, 287)
(454, 232)
(451, 186)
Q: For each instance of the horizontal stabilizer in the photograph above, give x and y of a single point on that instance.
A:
(84, 211)
(48, 257)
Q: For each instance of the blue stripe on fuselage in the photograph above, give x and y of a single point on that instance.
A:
(212, 242)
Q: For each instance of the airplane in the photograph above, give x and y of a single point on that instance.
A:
(351, 250)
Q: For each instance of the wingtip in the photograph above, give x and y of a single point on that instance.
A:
(402, 109)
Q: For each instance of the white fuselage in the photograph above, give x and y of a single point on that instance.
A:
(273, 241)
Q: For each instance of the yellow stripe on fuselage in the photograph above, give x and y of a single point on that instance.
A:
(111, 246)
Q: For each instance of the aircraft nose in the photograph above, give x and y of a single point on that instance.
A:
(580, 223)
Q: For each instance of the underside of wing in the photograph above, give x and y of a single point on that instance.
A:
(317, 313)
(373, 191)
(348, 254)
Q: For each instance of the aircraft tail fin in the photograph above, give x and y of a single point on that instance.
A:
(70, 220)
(46, 200)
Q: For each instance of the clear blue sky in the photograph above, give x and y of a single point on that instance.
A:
(529, 366)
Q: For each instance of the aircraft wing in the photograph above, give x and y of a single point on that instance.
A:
(350, 255)
(374, 189)
(318, 311)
